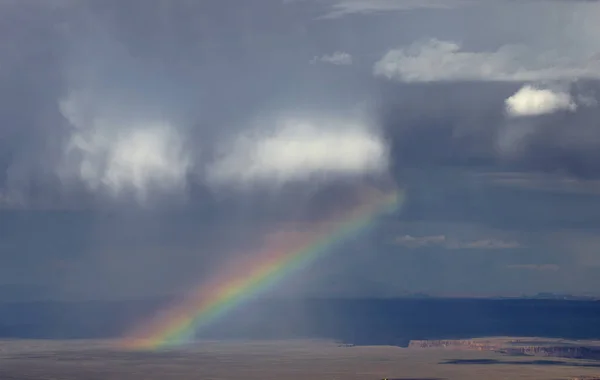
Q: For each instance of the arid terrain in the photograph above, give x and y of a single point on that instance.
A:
(558, 348)
(290, 360)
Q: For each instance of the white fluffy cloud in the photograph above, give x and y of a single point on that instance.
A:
(121, 155)
(297, 150)
(337, 58)
(437, 60)
(532, 101)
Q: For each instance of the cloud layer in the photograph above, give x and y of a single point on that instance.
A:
(336, 58)
(535, 267)
(442, 241)
(441, 60)
(156, 103)
(122, 155)
(342, 8)
(296, 149)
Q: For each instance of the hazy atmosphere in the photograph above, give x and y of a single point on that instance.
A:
(144, 144)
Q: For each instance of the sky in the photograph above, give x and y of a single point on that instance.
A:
(145, 144)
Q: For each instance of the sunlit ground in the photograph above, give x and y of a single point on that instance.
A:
(288, 360)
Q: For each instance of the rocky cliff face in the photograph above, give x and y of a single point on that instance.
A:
(454, 344)
(513, 347)
(555, 351)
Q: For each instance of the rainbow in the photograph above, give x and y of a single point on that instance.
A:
(242, 280)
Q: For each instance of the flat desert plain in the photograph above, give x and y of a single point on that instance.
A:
(281, 360)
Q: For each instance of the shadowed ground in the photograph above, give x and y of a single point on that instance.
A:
(290, 360)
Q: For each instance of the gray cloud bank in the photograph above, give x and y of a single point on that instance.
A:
(129, 113)
(341, 8)
(129, 121)
(438, 60)
(485, 111)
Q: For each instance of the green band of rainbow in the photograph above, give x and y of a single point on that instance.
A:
(246, 280)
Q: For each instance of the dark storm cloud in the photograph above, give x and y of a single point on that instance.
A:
(31, 82)
(106, 105)
(176, 63)
(129, 79)
(463, 124)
